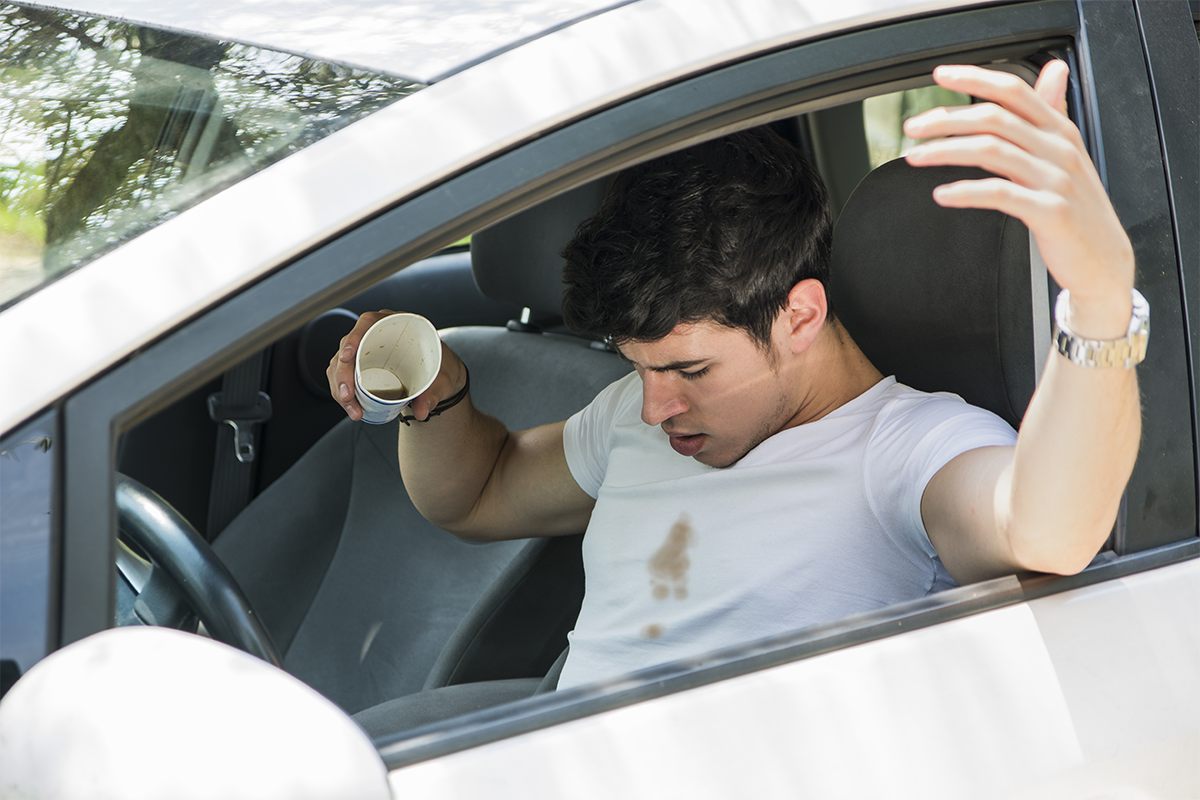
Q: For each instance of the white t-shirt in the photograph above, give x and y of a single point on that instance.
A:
(817, 522)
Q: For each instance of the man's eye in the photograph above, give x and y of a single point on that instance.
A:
(691, 376)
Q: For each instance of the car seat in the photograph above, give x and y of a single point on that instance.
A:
(366, 600)
(370, 603)
(941, 298)
(944, 299)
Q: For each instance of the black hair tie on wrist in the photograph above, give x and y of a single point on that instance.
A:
(444, 405)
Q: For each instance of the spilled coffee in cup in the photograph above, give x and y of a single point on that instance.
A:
(383, 383)
(398, 358)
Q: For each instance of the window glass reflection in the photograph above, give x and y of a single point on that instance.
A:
(108, 128)
(884, 116)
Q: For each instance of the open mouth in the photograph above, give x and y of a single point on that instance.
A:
(687, 445)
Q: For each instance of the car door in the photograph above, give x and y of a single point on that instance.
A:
(1119, 104)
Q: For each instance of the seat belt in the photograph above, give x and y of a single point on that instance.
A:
(239, 409)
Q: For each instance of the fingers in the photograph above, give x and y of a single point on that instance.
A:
(341, 366)
(1048, 181)
(451, 377)
(1020, 135)
(993, 120)
(1011, 92)
(997, 155)
(1051, 85)
(999, 195)
(425, 402)
(340, 373)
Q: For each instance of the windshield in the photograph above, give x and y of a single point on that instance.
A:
(108, 128)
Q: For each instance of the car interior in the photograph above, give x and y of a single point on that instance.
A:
(400, 623)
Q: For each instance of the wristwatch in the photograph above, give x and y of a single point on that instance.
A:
(1128, 351)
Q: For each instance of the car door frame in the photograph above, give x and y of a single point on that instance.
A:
(759, 89)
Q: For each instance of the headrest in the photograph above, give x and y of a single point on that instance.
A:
(517, 259)
(939, 297)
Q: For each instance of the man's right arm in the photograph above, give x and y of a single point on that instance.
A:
(466, 472)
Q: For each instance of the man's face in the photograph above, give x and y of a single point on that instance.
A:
(714, 392)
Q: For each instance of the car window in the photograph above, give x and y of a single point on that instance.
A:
(108, 128)
(274, 304)
(884, 116)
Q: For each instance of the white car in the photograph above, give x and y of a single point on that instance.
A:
(196, 200)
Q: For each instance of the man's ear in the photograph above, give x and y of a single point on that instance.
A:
(805, 313)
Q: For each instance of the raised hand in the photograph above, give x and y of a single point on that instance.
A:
(1022, 134)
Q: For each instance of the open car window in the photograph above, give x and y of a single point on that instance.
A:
(884, 116)
(849, 125)
(109, 128)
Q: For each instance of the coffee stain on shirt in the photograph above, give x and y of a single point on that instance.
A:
(669, 565)
(652, 631)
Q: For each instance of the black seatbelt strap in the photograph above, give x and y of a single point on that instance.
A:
(239, 410)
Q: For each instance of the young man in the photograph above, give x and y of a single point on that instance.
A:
(757, 473)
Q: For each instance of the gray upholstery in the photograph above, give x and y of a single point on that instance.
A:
(517, 260)
(404, 713)
(360, 592)
(519, 625)
(440, 288)
(939, 297)
(369, 602)
(550, 681)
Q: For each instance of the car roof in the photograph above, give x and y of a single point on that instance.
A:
(421, 40)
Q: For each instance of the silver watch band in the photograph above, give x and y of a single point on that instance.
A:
(1127, 352)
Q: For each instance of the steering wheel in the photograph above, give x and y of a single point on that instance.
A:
(174, 548)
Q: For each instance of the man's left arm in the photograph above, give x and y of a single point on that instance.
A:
(1048, 503)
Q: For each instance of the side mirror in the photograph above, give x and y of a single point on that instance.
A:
(151, 712)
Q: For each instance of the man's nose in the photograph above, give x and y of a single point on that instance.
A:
(661, 398)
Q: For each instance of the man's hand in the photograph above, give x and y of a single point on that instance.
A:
(1049, 503)
(464, 471)
(1024, 135)
(340, 373)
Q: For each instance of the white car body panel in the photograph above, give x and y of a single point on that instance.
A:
(1024, 701)
(870, 720)
(417, 39)
(77, 327)
(105, 718)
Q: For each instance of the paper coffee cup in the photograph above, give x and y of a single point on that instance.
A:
(397, 360)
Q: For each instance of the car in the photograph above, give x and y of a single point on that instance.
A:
(199, 200)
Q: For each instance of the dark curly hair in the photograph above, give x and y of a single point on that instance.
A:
(718, 232)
